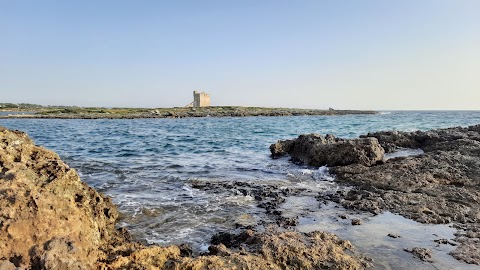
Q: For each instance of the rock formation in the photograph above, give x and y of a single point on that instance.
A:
(50, 219)
(316, 150)
(427, 140)
(250, 250)
(440, 186)
(48, 216)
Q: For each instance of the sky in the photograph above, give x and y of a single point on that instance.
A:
(349, 54)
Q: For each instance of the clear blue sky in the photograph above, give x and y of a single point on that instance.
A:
(409, 54)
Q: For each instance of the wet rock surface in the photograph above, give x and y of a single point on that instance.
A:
(393, 235)
(356, 222)
(268, 196)
(50, 219)
(421, 253)
(440, 186)
(468, 249)
(318, 150)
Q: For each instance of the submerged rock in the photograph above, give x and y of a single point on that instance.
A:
(269, 195)
(50, 219)
(356, 221)
(317, 150)
(421, 253)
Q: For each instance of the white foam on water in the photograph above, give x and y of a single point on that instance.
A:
(309, 174)
(184, 232)
(156, 239)
(190, 191)
(307, 171)
(407, 152)
(322, 174)
(240, 199)
(203, 247)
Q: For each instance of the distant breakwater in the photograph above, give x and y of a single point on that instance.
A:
(103, 113)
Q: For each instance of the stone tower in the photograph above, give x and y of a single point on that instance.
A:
(201, 99)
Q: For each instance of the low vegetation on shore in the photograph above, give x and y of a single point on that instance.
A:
(37, 111)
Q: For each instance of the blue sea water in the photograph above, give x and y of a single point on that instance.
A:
(147, 165)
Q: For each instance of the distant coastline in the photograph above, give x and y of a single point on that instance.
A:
(176, 112)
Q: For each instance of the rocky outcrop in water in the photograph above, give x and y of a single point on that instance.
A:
(269, 196)
(50, 219)
(440, 186)
(421, 253)
(317, 150)
(440, 139)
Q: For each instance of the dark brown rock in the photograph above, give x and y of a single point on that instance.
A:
(317, 150)
(356, 222)
(444, 241)
(439, 186)
(426, 140)
(421, 253)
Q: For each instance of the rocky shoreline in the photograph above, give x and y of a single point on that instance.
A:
(440, 186)
(130, 113)
(50, 219)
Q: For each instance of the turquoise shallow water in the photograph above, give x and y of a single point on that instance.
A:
(146, 164)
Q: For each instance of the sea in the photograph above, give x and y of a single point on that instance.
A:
(147, 166)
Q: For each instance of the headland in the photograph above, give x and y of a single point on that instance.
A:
(41, 112)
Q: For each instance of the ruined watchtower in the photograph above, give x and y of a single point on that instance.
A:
(201, 99)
